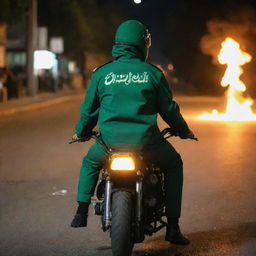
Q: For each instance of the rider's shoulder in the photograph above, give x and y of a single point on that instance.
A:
(101, 66)
(155, 67)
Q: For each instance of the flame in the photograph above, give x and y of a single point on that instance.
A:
(238, 107)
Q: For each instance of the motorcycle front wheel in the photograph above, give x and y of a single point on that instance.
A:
(121, 224)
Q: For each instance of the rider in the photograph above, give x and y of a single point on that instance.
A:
(124, 97)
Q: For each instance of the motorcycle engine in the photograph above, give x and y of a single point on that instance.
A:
(153, 189)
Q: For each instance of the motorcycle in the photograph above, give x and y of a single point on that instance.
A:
(130, 196)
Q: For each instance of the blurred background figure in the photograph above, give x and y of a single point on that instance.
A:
(3, 89)
(11, 82)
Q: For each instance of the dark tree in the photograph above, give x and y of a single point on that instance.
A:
(12, 11)
(85, 25)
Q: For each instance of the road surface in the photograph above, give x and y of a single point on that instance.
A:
(219, 202)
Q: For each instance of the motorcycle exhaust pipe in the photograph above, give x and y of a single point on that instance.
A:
(138, 232)
(107, 215)
(138, 201)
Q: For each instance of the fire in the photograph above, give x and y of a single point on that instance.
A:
(238, 107)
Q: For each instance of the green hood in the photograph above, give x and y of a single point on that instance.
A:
(130, 40)
(128, 51)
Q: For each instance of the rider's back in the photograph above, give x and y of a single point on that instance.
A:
(127, 91)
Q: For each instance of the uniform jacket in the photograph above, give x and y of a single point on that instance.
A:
(124, 97)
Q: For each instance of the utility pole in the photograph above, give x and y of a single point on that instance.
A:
(32, 84)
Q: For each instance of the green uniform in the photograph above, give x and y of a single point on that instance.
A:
(124, 98)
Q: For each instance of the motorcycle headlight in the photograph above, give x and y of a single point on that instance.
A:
(122, 163)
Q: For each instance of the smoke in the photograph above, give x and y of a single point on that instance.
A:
(241, 26)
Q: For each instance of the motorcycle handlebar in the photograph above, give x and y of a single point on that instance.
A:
(86, 138)
(171, 133)
(167, 131)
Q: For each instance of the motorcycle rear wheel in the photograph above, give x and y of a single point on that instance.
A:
(121, 224)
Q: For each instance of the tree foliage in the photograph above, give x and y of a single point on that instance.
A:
(12, 11)
(85, 25)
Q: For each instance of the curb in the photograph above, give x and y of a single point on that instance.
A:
(40, 105)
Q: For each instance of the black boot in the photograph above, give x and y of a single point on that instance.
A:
(173, 233)
(80, 219)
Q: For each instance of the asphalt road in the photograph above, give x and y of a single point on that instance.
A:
(219, 206)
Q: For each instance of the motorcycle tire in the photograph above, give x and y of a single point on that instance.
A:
(121, 224)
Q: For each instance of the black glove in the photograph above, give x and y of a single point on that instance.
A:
(188, 135)
(86, 137)
(183, 135)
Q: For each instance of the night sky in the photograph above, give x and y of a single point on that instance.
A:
(153, 14)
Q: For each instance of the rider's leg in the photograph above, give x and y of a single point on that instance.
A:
(164, 155)
(91, 166)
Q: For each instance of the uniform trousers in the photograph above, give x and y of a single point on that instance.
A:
(162, 154)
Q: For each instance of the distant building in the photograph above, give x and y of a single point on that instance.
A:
(2, 45)
(16, 46)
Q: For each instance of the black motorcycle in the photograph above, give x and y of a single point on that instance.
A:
(130, 197)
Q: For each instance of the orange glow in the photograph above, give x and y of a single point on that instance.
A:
(122, 163)
(238, 107)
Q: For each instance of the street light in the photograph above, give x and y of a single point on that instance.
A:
(44, 59)
(137, 1)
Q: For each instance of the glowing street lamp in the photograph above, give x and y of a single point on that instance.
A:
(137, 1)
(44, 59)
